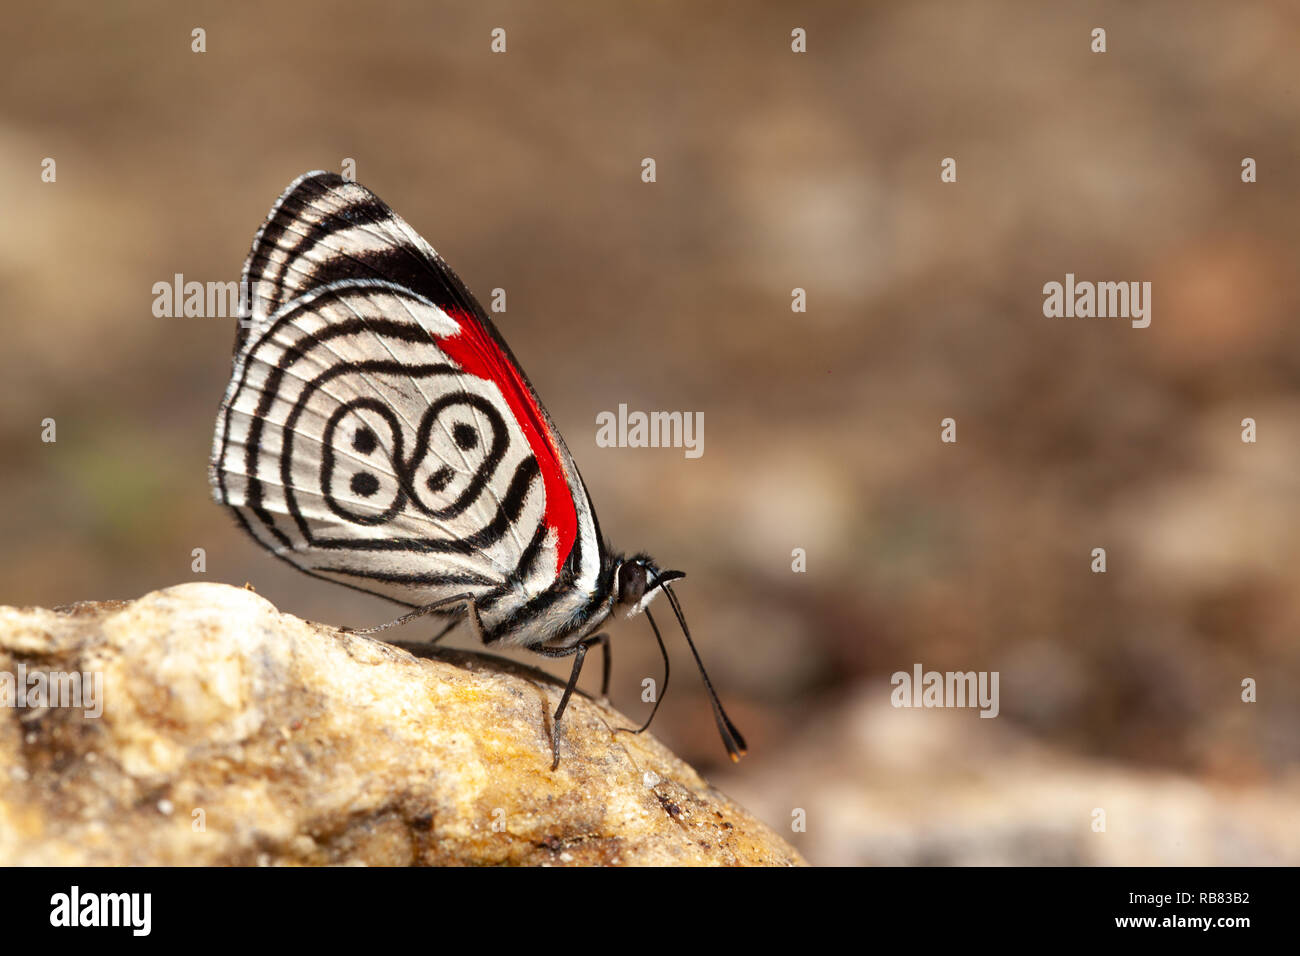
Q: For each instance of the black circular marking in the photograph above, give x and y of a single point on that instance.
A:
(439, 479)
(495, 440)
(364, 484)
(465, 435)
(363, 440)
(329, 442)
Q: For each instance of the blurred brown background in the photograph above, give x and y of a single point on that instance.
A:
(775, 171)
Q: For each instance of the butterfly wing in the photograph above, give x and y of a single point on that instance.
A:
(378, 432)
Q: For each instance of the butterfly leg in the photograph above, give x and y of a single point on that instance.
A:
(467, 600)
(579, 654)
(451, 626)
(603, 641)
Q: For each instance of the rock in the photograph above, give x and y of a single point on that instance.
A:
(233, 734)
(886, 786)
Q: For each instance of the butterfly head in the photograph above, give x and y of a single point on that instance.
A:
(637, 582)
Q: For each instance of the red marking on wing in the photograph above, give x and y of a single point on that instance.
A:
(475, 351)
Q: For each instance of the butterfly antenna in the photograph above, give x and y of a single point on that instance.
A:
(731, 738)
(662, 690)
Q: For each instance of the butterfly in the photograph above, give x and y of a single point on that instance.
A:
(378, 432)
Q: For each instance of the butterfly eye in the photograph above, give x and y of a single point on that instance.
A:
(631, 583)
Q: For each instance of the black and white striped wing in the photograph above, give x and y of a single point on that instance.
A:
(378, 432)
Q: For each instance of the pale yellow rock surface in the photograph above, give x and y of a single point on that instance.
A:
(234, 734)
